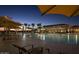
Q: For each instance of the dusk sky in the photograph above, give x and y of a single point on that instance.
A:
(31, 14)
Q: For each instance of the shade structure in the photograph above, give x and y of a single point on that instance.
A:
(67, 10)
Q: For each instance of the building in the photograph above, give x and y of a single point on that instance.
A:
(57, 28)
(25, 28)
(75, 28)
(2, 29)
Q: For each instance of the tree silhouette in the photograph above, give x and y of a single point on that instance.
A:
(25, 24)
(33, 26)
(39, 26)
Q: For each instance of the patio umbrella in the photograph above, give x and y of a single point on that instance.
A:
(67, 10)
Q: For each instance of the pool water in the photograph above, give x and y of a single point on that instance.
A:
(67, 38)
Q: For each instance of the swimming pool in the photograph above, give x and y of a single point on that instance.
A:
(67, 38)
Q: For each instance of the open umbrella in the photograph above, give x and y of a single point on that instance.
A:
(67, 10)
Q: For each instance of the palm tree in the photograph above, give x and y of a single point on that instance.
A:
(33, 26)
(28, 25)
(39, 26)
(25, 24)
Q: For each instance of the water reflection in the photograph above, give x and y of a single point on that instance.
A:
(68, 37)
(59, 38)
(24, 37)
(76, 38)
(41, 36)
